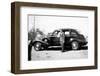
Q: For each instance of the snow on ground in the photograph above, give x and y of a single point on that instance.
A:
(56, 54)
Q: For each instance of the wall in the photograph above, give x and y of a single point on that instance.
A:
(5, 42)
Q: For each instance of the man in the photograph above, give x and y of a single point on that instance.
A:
(29, 50)
(62, 40)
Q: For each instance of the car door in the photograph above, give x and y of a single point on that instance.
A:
(67, 37)
(58, 39)
(55, 39)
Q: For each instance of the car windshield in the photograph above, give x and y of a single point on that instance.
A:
(55, 33)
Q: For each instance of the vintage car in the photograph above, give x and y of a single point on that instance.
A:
(72, 38)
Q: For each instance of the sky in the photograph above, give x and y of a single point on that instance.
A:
(48, 24)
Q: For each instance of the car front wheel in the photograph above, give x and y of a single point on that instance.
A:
(46, 41)
(75, 45)
(37, 46)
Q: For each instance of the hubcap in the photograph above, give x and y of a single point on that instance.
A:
(45, 40)
(37, 46)
(75, 45)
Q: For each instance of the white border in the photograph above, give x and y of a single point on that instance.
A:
(25, 64)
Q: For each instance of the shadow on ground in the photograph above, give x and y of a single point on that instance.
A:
(66, 48)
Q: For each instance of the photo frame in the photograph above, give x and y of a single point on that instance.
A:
(28, 19)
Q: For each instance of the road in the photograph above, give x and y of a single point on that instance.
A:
(56, 54)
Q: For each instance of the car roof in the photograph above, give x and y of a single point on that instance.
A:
(67, 30)
(74, 30)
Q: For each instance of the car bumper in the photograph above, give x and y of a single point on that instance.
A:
(83, 43)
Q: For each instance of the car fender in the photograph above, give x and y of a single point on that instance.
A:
(73, 39)
(40, 42)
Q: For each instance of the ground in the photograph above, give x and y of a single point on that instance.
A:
(54, 53)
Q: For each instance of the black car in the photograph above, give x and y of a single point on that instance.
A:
(72, 38)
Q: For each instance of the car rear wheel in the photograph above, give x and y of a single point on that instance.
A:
(75, 45)
(37, 46)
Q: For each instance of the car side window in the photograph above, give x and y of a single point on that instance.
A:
(67, 33)
(73, 33)
(55, 33)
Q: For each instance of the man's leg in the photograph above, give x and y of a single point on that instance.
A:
(62, 47)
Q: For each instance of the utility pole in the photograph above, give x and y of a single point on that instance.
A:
(34, 24)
